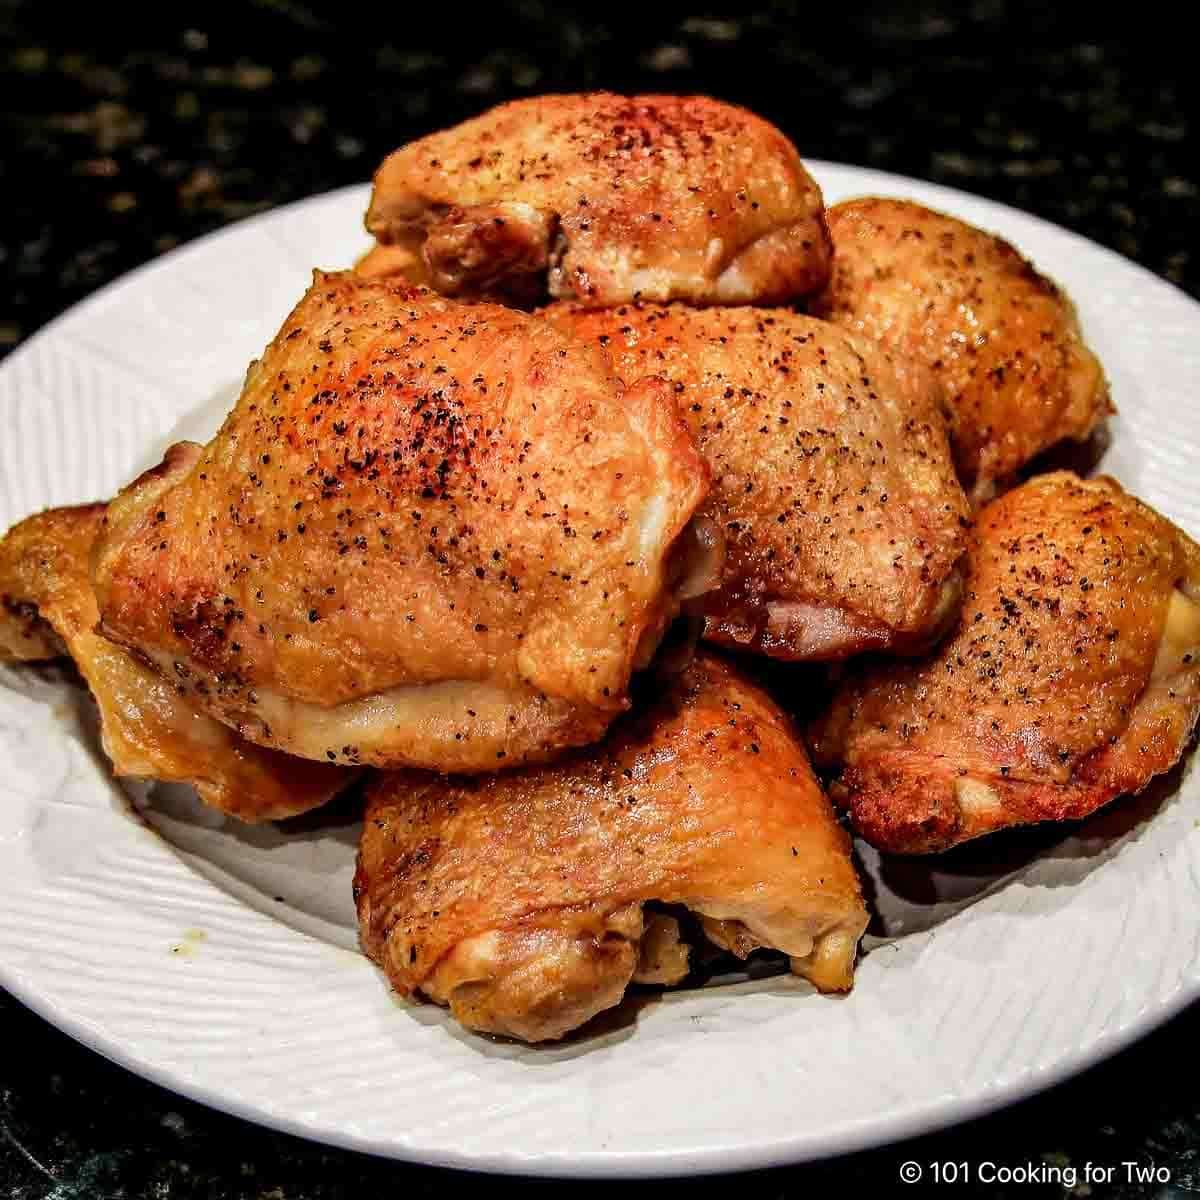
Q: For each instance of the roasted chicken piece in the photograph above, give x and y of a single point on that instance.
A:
(148, 727)
(1073, 676)
(518, 899)
(832, 478)
(429, 534)
(1003, 340)
(396, 262)
(605, 199)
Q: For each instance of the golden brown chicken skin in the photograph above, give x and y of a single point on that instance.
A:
(1073, 676)
(1002, 339)
(605, 199)
(832, 478)
(517, 899)
(398, 263)
(428, 534)
(149, 729)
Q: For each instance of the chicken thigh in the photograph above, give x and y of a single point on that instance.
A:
(429, 534)
(518, 899)
(832, 479)
(1073, 676)
(606, 198)
(1003, 340)
(149, 729)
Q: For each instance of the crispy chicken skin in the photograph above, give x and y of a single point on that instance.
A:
(832, 478)
(1003, 340)
(148, 728)
(396, 262)
(429, 534)
(1073, 676)
(517, 899)
(605, 199)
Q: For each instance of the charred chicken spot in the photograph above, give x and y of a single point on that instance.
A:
(204, 629)
(415, 860)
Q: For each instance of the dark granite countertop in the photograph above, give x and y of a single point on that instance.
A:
(130, 129)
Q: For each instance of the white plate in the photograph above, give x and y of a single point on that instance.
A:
(158, 940)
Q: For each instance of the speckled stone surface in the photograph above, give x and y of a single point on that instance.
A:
(127, 130)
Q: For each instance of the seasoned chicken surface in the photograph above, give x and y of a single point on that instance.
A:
(1073, 676)
(605, 199)
(1003, 340)
(832, 478)
(518, 899)
(148, 728)
(428, 534)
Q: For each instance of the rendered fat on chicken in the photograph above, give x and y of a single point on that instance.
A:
(148, 728)
(605, 199)
(428, 534)
(519, 899)
(1002, 339)
(1073, 676)
(832, 478)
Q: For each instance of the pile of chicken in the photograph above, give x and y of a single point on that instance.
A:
(613, 382)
